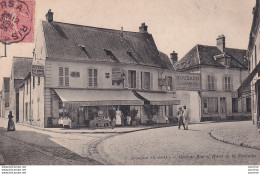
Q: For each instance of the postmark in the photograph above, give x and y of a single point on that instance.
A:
(16, 21)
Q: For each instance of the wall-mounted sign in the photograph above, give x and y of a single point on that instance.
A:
(116, 76)
(187, 81)
(234, 95)
(38, 70)
(75, 74)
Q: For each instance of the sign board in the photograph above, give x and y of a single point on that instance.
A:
(187, 81)
(234, 95)
(38, 70)
(162, 82)
(116, 74)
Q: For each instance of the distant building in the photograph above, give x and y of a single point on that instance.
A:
(251, 85)
(78, 70)
(221, 70)
(21, 66)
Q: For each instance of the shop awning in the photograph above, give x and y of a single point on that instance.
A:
(98, 97)
(158, 98)
(247, 81)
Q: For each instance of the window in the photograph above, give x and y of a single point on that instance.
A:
(169, 83)
(211, 84)
(63, 76)
(146, 81)
(227, 83)
(170, 110)
(92, 77)
(26, 111)
(226, 61)
(234, 105)
(132, 79)
(210, 105)
(7, 104)
(248, 104)
(111, 55)
(39, 81)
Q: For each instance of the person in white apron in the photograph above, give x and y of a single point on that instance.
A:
(118, 117)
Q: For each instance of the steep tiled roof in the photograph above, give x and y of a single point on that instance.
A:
(76, 42)
(6, 84)
(21, 67)
(204, 55)
(166, 60)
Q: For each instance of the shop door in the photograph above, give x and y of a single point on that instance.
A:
(81, 116)
(223, 106)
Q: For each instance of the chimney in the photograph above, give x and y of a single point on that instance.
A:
(221, 42)
(143, 28)
(49, 16)
(174, 57)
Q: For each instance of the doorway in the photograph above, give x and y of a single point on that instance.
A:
(223, 107)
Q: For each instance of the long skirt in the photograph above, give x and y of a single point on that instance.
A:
(11, 126)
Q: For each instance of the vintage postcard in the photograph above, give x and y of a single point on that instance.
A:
(129, 82)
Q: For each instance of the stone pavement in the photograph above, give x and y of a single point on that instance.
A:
(242, 134)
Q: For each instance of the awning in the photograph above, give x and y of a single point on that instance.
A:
(158, 98)
(247, 81)
(98, 97)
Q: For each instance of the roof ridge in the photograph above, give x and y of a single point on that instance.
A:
(107, 29)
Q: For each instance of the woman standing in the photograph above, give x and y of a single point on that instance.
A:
(11, 126)
(118, 117)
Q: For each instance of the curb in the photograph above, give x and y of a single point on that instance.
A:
(230, 142)
(2, 161)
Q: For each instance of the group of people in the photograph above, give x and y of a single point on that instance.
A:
(121, 119)
(183, 117)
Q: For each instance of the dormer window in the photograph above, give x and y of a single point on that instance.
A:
(226, 61)
(83, 48)
(111, 55)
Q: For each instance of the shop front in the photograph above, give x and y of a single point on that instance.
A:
(98, 108)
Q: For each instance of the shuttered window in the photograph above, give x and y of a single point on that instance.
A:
(146, 80)
(169, 83)
(132, 79)
(92, 77)
(63, 76)
(227, 82)
(211, 82)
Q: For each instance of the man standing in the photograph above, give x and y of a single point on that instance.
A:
(180, 118)
(186, 117)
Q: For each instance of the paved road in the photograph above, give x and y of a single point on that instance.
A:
(28, 146)
(172, 146)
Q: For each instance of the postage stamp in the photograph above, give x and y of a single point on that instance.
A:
(16, 21)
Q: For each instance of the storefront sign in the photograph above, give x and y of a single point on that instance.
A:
(187, 81)
(75, 74)
(234, 95)
(162, 82)
(116, 74)
(38, 70)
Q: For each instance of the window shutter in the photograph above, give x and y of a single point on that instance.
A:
(90, 77)
(61, 76)
(151, 81)
(223, 83)
(173, 87)
(95, 78)
(215, 82)
(138, 80)
(67, 77)
(126, 78)
(231, 83)
(142, 80)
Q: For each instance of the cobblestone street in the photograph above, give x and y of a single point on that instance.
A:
(172, 146)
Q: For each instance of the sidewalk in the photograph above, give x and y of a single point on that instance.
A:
(242, 134)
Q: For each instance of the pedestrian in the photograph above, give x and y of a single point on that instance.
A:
(118, 117)
(11, 126)
(186, 117)
(180, 118)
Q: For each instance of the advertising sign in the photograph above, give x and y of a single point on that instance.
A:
(187, 81)
(38, 70)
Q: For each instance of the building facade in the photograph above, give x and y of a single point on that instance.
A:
(79, 70)
(251, 85)
(222, 70)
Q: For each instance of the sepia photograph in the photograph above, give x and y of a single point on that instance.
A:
(129, 83)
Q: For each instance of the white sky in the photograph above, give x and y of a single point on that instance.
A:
(176, 25)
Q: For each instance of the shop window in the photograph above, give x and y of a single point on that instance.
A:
(63, 76)
(132, 79)
(169, 83)
(227, 83)
(234, 105)
(210, 105)
(248, 104)
(93, 77)
(211, 82)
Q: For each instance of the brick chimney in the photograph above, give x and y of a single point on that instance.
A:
(221, 42)
(174, 57)
(49, 16)
(143, 28)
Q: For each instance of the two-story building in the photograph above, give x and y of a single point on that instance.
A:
(222, 70)
(251, 85)
(79, 70)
